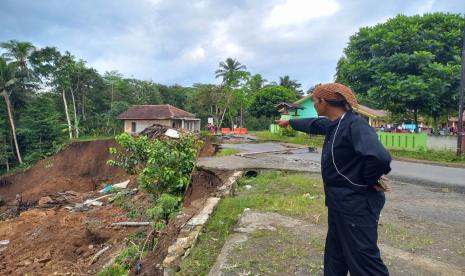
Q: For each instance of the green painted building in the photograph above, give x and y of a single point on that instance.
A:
(304, 108)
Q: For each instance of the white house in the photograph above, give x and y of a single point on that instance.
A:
(139, 117)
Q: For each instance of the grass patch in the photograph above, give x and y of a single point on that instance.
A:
(296, 195)
(280, 252)
(430, 155)
(300, 138)
(401, 238)
(227, 151)
(95, 137)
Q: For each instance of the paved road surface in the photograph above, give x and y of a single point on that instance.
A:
(439, 176)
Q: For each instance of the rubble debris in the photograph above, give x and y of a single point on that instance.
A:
(59, 199)
(4, 242)
(172, 133)
(131, 223)
(98, 254)
(106, 189)
(270, 151)
(121, 185)
(154, 131)
(82, 207)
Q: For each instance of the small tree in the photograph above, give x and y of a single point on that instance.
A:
(266, 99)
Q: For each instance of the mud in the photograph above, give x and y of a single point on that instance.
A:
(204, 184)
(80, 167)
(51, 239)
(55, 240)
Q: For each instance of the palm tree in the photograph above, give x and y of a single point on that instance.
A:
(230, 71)
(7, 80)
(292, 85)
(19, 52)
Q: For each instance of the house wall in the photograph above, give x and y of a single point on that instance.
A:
(309, 110)
(192, 125)
(143, 124)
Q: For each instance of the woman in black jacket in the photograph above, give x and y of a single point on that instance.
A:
(352, 163)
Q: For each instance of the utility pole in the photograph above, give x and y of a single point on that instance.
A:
(462, 87)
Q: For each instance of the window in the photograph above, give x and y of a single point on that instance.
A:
(133, 127)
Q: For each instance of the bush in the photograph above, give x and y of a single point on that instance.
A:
(164, 169)
(288, 131)
(166, 205)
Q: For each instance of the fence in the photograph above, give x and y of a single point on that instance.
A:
(274, 128)
(403, 141)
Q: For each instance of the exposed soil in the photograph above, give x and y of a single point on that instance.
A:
(209, 149)
(80, 167)
(204, 184)
(45, 241)
(51, 239)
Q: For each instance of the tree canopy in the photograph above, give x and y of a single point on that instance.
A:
(407, 64)
(266, 99)
(51, 97)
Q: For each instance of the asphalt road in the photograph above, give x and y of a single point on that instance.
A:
(415, 173)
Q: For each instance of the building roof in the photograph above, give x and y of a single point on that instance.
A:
(309, 95)
(289, 106)
(370, 112)
(154, 112)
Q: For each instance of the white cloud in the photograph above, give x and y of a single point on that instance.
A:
(293, 12)
(197, 54)
(173, 41)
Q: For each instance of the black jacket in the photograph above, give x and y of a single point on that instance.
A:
(352, 162)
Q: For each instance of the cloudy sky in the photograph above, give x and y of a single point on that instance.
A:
(172, 41)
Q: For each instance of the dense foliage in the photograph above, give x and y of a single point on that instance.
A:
(407, 64)
(163, 167)
(51, 97)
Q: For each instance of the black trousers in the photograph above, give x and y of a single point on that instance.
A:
(351, 245)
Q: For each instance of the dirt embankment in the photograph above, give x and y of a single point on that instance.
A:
(54, 240)
(80, 167)
(48, 240)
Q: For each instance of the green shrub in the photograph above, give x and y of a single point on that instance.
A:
(288, 131)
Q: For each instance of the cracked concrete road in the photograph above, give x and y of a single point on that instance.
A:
(302, 160)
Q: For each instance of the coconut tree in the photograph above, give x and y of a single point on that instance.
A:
(232, 72)
(292, 85)
(8, 73)
(19, 53)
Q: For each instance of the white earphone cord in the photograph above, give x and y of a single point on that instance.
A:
(332, 154)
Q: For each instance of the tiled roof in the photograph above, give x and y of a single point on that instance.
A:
(374, 112)
(152, 112)
(289, 105)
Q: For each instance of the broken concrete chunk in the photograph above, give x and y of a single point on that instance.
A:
(121, 185)
(93, 202)
(172, 133)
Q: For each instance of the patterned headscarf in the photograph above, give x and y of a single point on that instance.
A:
(335, 92)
